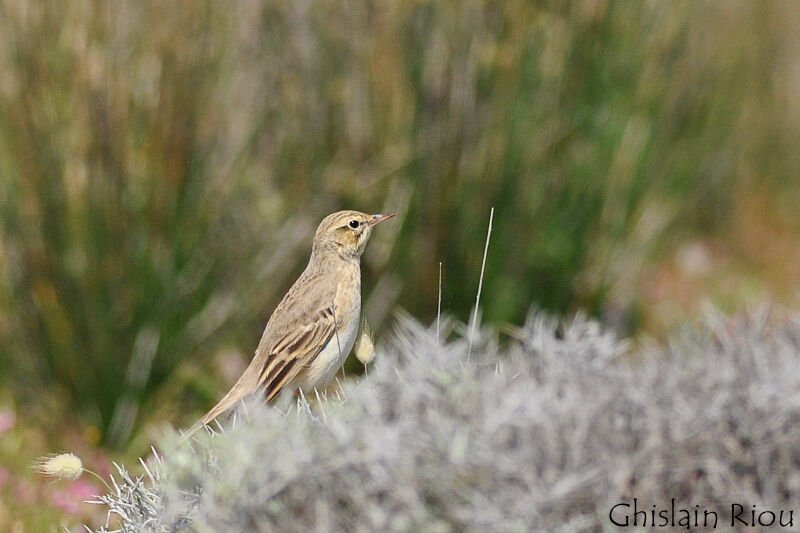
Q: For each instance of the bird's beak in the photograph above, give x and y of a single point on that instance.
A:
(377, 219)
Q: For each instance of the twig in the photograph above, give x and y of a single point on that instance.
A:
(439, 306)
(480, 286)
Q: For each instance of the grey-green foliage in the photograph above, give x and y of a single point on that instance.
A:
(547, 434)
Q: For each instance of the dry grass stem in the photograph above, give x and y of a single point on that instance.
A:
(474, 320)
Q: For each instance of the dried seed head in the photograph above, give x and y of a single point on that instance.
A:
(62, 466)
(365, 349)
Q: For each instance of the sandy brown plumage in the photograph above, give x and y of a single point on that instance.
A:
(314, 327)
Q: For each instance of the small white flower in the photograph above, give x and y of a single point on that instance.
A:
(62, 466)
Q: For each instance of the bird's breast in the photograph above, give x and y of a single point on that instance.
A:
(347, 310)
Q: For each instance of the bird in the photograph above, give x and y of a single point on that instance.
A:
(314, 327)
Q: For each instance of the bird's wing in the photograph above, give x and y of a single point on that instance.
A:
(285, 348)
(295, 350)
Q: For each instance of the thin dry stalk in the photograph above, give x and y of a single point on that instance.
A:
(480, 285)
(439, 304)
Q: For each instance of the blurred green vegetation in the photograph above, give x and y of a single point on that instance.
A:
(164, 164)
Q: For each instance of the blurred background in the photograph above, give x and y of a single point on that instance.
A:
(163, 166)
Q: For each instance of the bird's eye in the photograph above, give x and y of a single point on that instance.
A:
(354, 224)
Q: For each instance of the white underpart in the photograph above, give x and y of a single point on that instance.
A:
(331, 358)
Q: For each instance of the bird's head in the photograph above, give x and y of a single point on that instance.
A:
(346, 232)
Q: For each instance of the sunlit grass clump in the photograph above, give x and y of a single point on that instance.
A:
(544, 435)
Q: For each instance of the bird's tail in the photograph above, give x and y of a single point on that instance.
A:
(237, 393)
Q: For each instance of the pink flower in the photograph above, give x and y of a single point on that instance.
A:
(25, 492)
(7, 421)
(70, 500)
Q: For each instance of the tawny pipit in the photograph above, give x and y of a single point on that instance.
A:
(315, 325)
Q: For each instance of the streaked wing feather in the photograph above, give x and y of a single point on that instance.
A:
(285, 348)
(295, 351)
